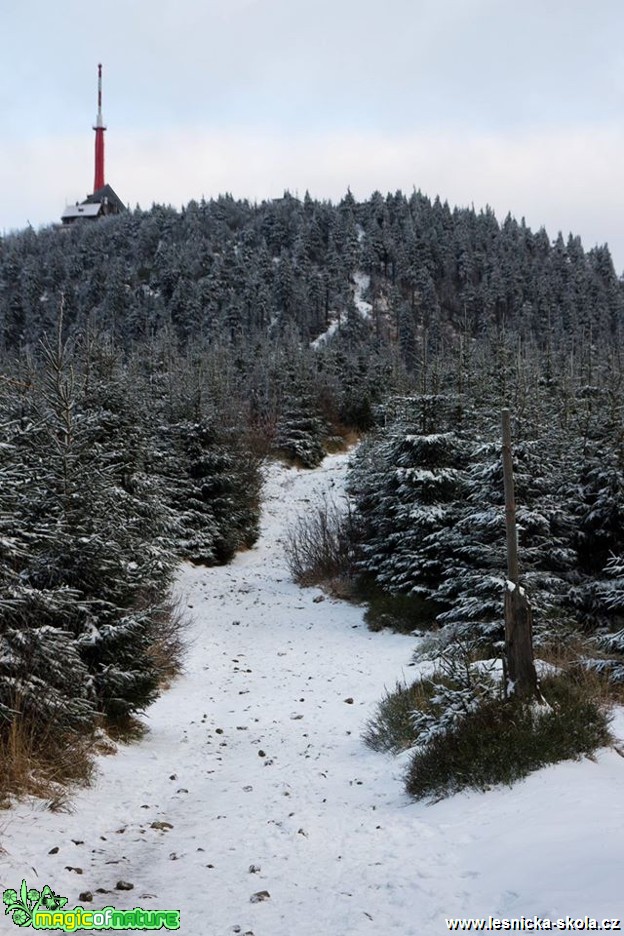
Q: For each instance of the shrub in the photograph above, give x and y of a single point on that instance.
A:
(412, 714)
(392, 728)
(319, 545)
(501, 741)
(464, 733)
(399, 612)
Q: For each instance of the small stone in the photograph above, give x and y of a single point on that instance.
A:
(163, 826)
(349, 701)
(247, 789)
(77, 841)
(75, 870)
(53, 851)
(182, 790)
(173, 776)
(261, 754)
(318, 599)
(260, 896)
(254, 869)
(85, 897)
(218, 730)
(124, 885)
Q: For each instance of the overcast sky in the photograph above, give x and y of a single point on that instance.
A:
(518, 104)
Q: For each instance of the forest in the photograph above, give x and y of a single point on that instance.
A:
(153, 360)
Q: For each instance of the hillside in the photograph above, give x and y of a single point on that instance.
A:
(226, 269)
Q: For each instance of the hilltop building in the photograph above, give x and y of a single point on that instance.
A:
(104, 200)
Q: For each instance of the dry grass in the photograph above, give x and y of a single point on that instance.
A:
(568, 653)
(168, 649)
(125, 730)
(44, 764)
(319, 545)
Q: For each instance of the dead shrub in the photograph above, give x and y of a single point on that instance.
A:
(319, 545)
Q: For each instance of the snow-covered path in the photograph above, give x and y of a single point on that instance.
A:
(255, 768)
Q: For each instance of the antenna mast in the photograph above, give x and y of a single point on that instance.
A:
(99, 139)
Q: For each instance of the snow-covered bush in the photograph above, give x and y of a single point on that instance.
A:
(300, 435)
(435, 703)
(500, 741)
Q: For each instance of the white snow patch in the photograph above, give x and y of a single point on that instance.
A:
(362, 283)
(332, 328)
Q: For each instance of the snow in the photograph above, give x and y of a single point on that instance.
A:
(332, 328)
(254, 758)
(361, 282)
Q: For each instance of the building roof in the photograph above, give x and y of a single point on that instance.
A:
(81, 211)
(106, 193)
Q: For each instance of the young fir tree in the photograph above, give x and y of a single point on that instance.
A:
(212, 487)
(300, 434)
(43, 679)
(474, 576)
(89, 534)
(408, 490)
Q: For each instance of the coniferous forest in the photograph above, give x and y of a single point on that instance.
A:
(152, 360)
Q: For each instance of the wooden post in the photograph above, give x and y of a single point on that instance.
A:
(521, 675)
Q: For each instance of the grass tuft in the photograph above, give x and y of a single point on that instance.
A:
(403, 614)
(42, 764)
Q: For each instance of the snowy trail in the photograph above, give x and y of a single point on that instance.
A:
(254, 760)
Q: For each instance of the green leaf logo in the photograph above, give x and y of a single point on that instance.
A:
(23, 905)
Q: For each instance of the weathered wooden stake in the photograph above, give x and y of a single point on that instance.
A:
(521, 675)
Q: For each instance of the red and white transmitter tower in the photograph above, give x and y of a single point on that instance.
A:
(104, 200)
(99, 140)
